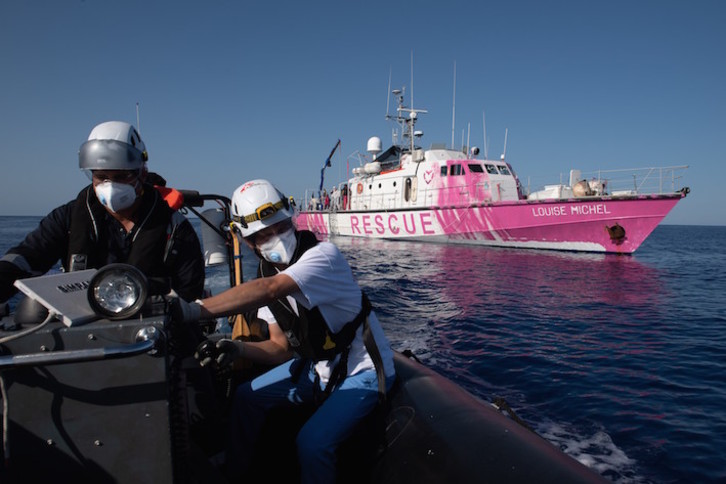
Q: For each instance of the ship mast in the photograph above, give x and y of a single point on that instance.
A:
(406, 119)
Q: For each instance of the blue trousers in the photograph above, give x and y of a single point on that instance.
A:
(331, 424)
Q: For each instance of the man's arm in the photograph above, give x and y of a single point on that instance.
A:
(248, 296)
(9, 273)
(271, 352)
(38, 252)
(47, 243)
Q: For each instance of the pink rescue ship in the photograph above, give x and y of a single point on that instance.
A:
(450, 196)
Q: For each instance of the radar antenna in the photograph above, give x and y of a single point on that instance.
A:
(453, 110)
(388, 99)
(486, 148)
(504, 153)
(411, 78)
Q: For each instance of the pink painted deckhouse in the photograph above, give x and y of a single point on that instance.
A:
(449, 196)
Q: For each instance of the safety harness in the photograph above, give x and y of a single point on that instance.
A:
(309, 335)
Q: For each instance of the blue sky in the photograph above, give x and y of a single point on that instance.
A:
(234, 90)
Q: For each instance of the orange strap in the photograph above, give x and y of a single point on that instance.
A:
(171, 196)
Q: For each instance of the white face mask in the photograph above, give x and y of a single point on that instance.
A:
(279, 248)
(115, 196)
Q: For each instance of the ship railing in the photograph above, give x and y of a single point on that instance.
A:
(311, 200)
(424, 197)
(463, 195)
(628, 181)
(620, 182)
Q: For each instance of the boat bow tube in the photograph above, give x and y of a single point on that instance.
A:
(438, 432)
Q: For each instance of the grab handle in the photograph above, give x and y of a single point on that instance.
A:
(146, 340)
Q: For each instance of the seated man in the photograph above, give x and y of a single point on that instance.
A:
(117, 218)
(315, 310)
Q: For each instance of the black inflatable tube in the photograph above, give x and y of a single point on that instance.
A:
(438, 432)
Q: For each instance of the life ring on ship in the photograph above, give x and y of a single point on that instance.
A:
(359, 188)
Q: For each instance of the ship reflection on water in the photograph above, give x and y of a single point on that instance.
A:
(467, 294)
(455, 304)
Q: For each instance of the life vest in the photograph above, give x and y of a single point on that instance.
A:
(307, 332)
(309, 335)
(88, 243)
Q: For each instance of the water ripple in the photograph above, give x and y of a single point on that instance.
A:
(617, 360)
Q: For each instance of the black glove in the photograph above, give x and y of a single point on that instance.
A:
(185, 312)
(222, 354)
(206, 352)
(230, 350)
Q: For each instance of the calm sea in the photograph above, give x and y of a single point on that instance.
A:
(618, 360)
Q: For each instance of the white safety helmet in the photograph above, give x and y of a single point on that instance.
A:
(113, 145)
(258, 204)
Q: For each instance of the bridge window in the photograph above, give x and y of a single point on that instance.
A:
(456, 170)
(475, 168)
(504, 170)
(491, 169)
(443, 170)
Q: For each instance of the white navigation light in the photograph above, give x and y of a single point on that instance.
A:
(117, 291)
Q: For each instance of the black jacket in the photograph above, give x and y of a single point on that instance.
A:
(49, 243)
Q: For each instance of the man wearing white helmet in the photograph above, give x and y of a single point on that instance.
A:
(117, 218)
(316, 311)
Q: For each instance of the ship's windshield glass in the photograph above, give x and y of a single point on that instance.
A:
(491, 169)
(443, 171)
(475, 168)
(456, 170)
(504, 170)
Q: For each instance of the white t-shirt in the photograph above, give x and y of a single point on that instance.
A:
(326, 281)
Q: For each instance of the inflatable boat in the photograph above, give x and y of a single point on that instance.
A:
(91, 394)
